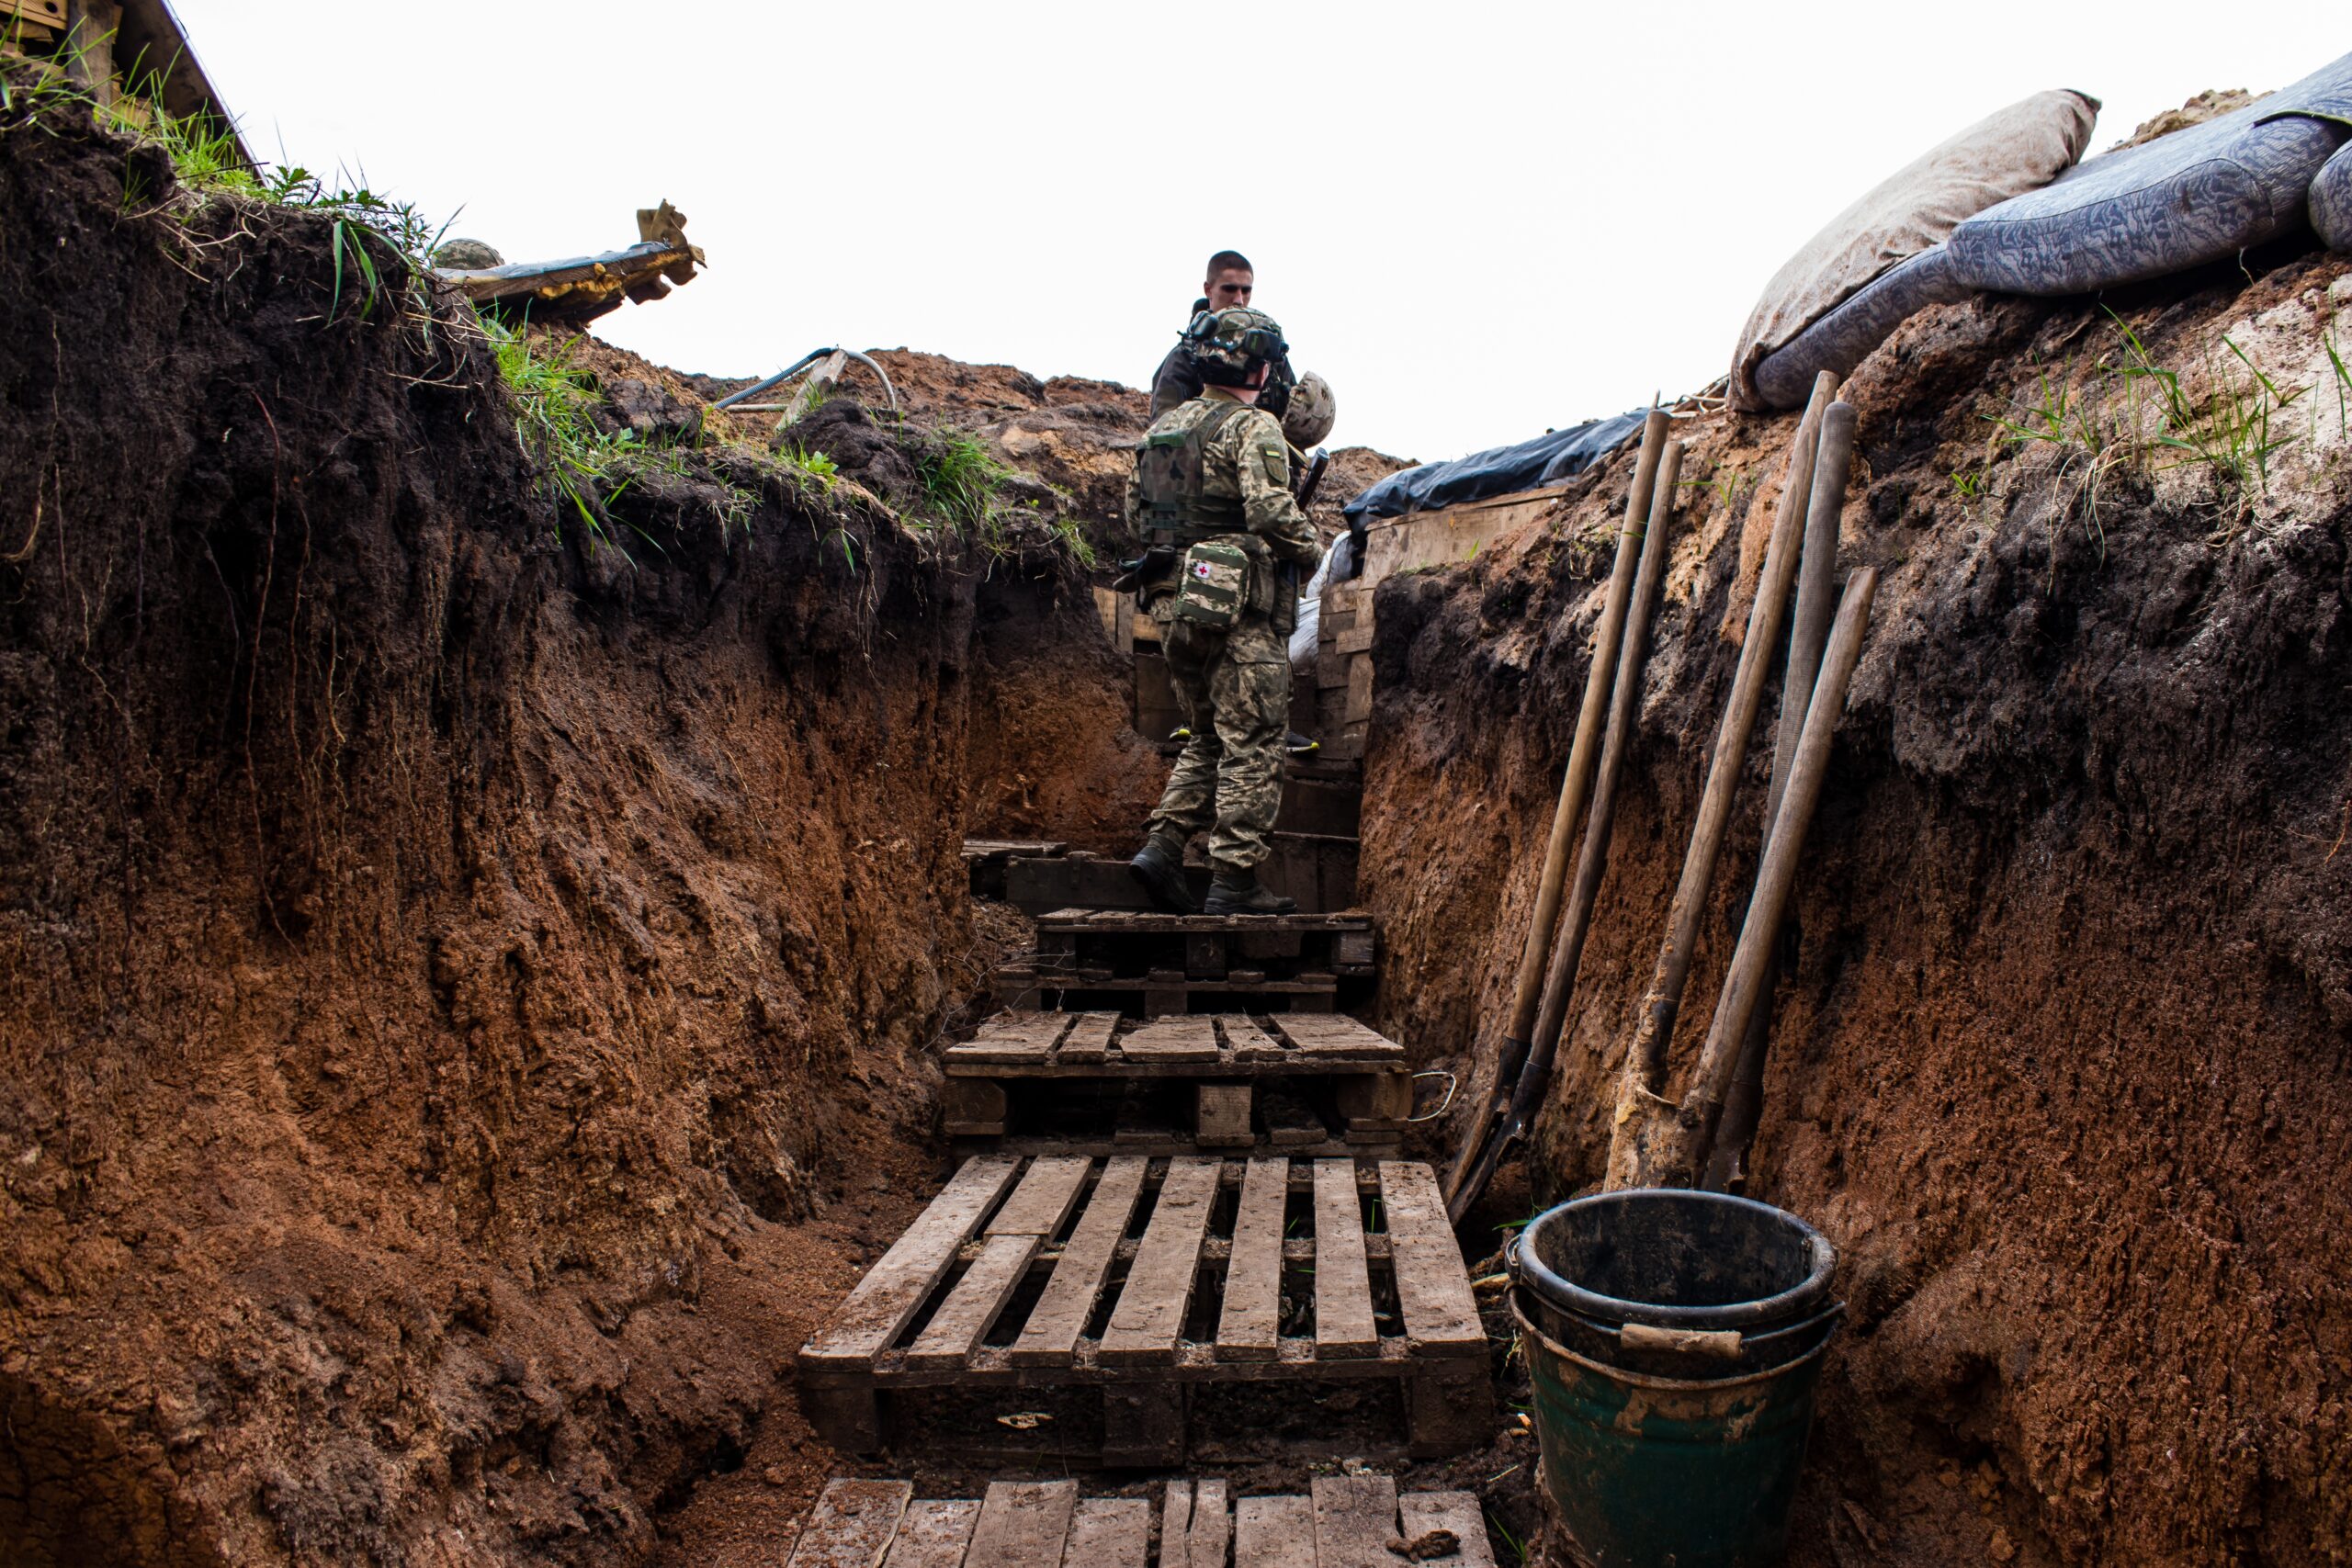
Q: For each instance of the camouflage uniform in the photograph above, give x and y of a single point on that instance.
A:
(1234, 686)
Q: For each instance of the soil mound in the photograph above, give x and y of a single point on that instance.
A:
(467, 986)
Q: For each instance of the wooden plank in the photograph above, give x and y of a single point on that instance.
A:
(1014, 1037)
(1343, 1324)
(1180, 1038)
(851, 1524)
(1022, 1524)
(1250, 1321)
(1356, 1515)
(1089, 1039)
(1333, 1035)
(864, 1325)
(1175, 1524)
(1433, 1282)
(1247, 1041)
(1051, 1336)
(974, 1304)
(1457, 1511)
(1109, 1532)
(1048, 1191)
(1211, 1528)
(933, 1534)
(1273, 1533)
(1151, 1313)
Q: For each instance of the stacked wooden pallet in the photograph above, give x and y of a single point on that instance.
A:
(1346, 1521)
(1026, 1298)
(1008, 1081)
(1156, 964)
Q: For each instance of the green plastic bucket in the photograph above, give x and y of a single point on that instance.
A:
(1672, 1417)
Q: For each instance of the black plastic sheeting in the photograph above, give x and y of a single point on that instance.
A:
(1551, 458)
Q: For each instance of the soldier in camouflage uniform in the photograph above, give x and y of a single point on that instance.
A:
(1212, 493)
(1228, 286)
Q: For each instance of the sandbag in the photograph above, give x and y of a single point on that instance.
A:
(1844, 338)
(2021, 147)
(2331, 201)
(2194, 196)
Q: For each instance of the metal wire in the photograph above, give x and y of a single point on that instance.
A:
(1450, 1083)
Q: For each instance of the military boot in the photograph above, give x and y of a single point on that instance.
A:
(1239, 892)
(1159, 866)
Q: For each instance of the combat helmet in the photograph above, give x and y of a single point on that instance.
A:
(1312, 412)
(1228, 345)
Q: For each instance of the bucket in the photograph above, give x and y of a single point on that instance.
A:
(1675, 1338)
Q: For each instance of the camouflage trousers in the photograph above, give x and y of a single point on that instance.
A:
(1234, 688)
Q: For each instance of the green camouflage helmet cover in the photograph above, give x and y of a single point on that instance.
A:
(1228, 345)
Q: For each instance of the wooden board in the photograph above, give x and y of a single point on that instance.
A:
(1343, 1324)
(1051, 1335)
(1355, 1518)
(1048, 1191)
(894, 1288)
(1211, 1528)
(1246, 1328)
(1328, 1034)
(1109, 1532)
(1433, 1283)
(851, 1524)
(1017, 1037)
(1273, 1533)
(1159, 1290)
(1089, 1039)
(933, 1534)
(1422, 1512)
(973, 1305)
(1179, 1039)
(1022, 1524)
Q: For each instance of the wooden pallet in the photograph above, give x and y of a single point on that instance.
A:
(1087, 946)
(1346, 1521)
(1026, 1302)
(985, 861)
(1009, 1073)
(1163, 992)
(1316, 869)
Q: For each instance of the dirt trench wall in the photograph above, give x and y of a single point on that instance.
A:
(442, 966)
(2061, 1067)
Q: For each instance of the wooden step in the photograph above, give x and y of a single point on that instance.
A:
(1042, 1073)
(1032, 1288)
(1317, 869)
(1347, 1521)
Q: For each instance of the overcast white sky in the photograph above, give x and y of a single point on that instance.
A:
(1477, 220)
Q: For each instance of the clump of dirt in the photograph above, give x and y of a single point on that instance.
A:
(2057, 1067)
(468, 986)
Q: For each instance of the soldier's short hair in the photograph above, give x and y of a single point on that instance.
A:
(1228, 261)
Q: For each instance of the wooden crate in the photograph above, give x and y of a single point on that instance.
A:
(1345, 1521)
(1347, 1084)
(1024, 1312)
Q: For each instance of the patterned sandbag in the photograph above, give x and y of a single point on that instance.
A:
(2180, 201)
(1844, 337)
(2331, 201)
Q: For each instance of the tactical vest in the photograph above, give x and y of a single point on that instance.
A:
(1170, 472)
